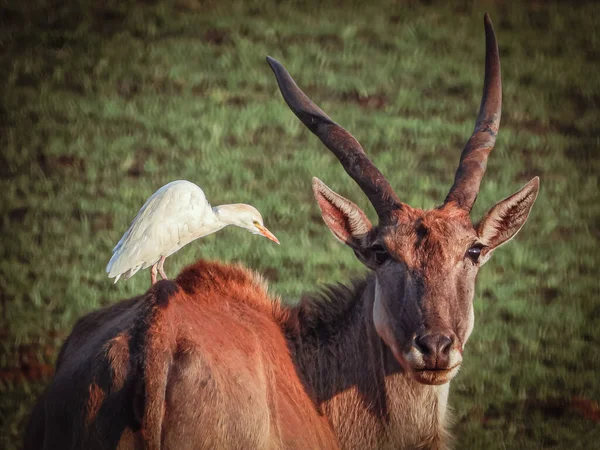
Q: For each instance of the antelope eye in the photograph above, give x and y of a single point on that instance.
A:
(380, 253)
(474, 252)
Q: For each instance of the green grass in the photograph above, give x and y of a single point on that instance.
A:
(104, 104)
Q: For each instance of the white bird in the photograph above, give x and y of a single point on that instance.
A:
(171, 218)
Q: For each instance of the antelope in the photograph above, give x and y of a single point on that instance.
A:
(212, 360)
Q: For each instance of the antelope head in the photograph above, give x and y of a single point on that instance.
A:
(425, 262)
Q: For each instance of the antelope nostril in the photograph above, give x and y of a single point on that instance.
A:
(420, 344)
(444, 344)
(433, 344)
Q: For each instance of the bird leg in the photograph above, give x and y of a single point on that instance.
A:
(161, 270)
(153, 271)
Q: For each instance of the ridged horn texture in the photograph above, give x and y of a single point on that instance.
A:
(343, 145)
(474, 156)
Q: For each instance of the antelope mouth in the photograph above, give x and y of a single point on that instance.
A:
(419, 371)
(435, 376)
(427, 371)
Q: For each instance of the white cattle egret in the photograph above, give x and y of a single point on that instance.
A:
(172, 217)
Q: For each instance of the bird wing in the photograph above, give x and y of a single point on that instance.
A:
(170, 219)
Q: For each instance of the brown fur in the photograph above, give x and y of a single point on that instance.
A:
(94, 401)
(250, 362)
(118, 357)
(430, 237)
(208, 367)
(130, 440)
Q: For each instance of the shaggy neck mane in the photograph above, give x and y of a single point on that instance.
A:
(336, 347)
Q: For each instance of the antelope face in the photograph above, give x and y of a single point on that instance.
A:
(425, 262)
(425, 266)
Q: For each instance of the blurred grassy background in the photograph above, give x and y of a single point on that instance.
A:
(104, 103)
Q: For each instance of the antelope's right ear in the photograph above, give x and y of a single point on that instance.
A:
(345, 220)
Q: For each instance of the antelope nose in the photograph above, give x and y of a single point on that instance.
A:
(435, 348)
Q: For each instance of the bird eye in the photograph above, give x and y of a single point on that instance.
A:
(474, 252)
(380, 253)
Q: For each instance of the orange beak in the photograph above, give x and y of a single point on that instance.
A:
(266, 233)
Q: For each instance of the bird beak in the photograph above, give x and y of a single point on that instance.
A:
(266, 233)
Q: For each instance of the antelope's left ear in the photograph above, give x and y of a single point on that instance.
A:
(507, 217)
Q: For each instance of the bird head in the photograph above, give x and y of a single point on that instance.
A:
(248, 217)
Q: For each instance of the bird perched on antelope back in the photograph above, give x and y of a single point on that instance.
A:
(171, 218)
